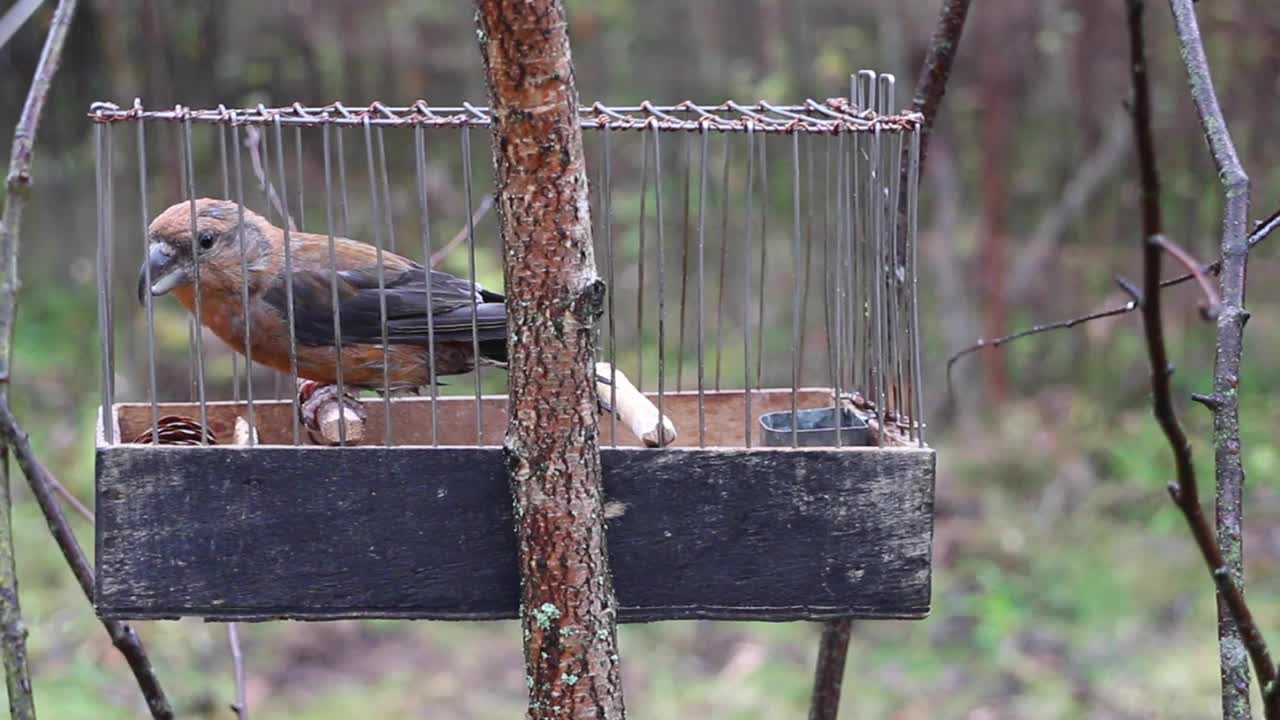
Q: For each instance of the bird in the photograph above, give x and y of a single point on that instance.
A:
(179, 250)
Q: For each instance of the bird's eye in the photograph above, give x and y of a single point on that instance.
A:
(206, 240)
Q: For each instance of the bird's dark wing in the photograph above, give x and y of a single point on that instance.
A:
(406, 293)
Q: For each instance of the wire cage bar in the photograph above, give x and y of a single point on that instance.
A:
(869, 327)
(762, 297)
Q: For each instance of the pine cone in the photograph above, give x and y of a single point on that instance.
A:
(177, 430)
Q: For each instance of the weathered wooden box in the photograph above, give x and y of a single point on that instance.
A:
(414, 531)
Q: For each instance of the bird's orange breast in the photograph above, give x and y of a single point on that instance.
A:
(223, 314)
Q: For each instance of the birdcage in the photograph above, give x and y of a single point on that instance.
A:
(759, 365)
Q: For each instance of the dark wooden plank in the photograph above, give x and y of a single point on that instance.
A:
(322, 533)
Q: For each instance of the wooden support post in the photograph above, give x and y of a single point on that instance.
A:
(554, 298)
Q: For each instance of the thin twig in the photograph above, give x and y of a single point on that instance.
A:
(253, 143)
(1194, 268)
(13, 634)
(1184, 490)
(122, 635)
(438, 256)
(1235, 626)
(241, 705)
(1261, 231)
(71, 499)
(833, 649)
(15, 17)
(983, 343)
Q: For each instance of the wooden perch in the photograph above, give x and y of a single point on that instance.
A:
(635, 410)
(323, 411)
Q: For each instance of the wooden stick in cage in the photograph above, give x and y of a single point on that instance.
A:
(635, 410)
(326, 412)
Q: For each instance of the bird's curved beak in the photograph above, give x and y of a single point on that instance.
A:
(166, 272)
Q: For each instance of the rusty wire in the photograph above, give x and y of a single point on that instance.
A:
(831, 116)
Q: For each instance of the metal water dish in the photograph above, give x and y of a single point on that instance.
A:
(814, 427)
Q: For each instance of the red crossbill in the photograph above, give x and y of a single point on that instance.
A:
(173, 256)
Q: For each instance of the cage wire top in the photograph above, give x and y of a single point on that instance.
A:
(847, 221)
(832, 116)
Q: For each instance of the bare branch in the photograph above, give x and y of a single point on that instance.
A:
(935, 74)
(1261, 231)
(1263, 228)
(16, 17)
(13, 634)
(253, 143)
(1184, 490)
(438, 256)
(1234, 612)
(983, 343)
(1194, 268)
(1129, 289)
(932, 87)
(1235, 626)
(122, 635)
(71, 499)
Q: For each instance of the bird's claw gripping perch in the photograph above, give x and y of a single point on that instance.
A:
(324, 411)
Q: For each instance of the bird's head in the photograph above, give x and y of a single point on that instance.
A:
(175, 247)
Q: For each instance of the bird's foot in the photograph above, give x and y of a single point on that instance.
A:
(331, 418)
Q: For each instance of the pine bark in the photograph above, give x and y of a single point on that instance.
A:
(554, 299)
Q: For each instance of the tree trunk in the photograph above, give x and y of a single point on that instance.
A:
(554, 299)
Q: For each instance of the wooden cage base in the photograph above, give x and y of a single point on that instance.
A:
(314, 533)
(724, 414)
